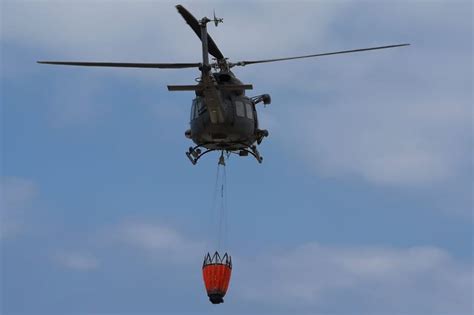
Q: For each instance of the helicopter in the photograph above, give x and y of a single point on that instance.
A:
(222, 117)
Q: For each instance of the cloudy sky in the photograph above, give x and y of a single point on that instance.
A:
(363, 203)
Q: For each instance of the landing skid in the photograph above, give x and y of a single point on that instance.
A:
(195, 153)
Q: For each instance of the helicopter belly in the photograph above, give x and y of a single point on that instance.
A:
(237, 135)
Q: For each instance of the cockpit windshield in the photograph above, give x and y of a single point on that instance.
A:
(243, 108)
(249, 110)
(198, 108)
(201, 107)
(193, 109)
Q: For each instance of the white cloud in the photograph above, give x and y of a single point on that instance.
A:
(17, 192)
(150, 29)
(158, 240)
(77, 103)
(308, 278)
(16, 196)
(400, 117)
(77, 260)
(383, 144)
(367, 280)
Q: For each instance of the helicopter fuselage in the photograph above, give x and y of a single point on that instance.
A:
(238, 126)
(235, 132)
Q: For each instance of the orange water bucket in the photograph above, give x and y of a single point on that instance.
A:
(216, 271)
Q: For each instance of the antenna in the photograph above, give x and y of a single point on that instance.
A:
(217, 20)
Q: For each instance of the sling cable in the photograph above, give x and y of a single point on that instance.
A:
(217, 269)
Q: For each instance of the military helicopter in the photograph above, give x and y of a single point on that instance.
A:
(223, 118)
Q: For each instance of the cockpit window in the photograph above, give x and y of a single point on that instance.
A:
(198, 108)
(201, 108)
(248, 109)
(193, 109)
(239, 109)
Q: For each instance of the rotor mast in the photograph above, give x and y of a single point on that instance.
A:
(213, 98)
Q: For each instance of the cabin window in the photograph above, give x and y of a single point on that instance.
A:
(193, 109)
(248, 109)
(239, 109)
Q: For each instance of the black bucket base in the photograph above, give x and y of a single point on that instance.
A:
(216, 298)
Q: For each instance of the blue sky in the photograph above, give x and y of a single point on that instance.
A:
(363, 203)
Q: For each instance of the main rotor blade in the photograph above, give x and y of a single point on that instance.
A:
(244, 63)
(194, 24)
(124, 64)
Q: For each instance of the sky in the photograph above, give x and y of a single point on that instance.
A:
(363, 204)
